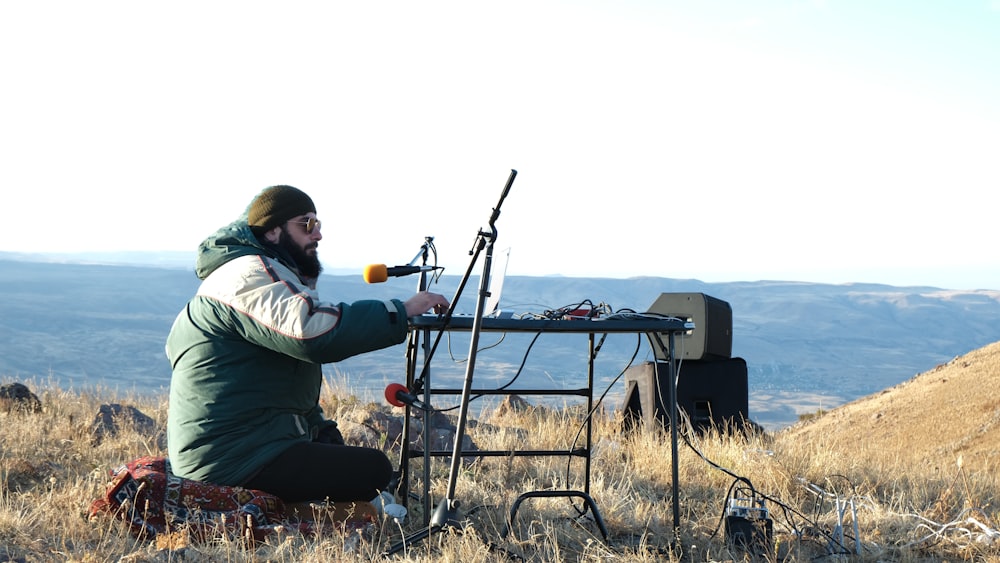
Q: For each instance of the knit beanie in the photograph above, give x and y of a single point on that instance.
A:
(276, 205)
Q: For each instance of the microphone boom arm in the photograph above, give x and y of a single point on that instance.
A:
(503, 196)
(477, 247)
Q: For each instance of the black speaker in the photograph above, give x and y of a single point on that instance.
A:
(712, 393)
(712, 337)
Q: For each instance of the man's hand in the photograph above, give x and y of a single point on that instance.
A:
(424, 302)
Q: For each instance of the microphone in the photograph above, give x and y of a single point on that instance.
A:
(378, 273)
(398, 395)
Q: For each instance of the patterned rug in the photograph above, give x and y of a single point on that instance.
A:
(152, 501)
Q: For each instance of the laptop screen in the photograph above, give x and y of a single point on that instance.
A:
(497, 273)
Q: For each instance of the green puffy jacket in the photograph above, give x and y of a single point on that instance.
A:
(246, 354)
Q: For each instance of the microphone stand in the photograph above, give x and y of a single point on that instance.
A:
(402, 486)
(447, 514)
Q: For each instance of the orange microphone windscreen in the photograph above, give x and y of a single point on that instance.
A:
(376, 273)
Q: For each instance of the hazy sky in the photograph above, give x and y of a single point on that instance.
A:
(829, 141)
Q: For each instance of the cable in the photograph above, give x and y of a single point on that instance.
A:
(524, 360)
(597, 404)
(451, 354)
(586, 419)
(685, 431)
(560, 313)
(788, 512)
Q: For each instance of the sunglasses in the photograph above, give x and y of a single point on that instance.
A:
(310, 225)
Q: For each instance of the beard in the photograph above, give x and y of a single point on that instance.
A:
(308, 264)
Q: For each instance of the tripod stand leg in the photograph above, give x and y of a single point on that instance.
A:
(411, 539)
(598, 519)
(446, 516)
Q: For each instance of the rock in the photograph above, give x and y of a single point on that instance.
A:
(109, 418)
(377, 429)
(16, 397)
(513, 404)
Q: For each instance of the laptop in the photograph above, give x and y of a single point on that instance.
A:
(491, 308)
(498, 271)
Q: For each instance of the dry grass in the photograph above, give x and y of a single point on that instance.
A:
(914, 467)
(948, 413)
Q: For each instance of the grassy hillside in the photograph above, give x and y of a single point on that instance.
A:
(914, 469)
(944, 418)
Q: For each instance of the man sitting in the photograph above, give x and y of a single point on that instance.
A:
(246, 354)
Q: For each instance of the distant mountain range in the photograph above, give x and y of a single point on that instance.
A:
(807, 346)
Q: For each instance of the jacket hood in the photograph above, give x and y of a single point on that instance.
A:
(230, 242)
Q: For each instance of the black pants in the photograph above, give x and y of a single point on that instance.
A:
(314, 471)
